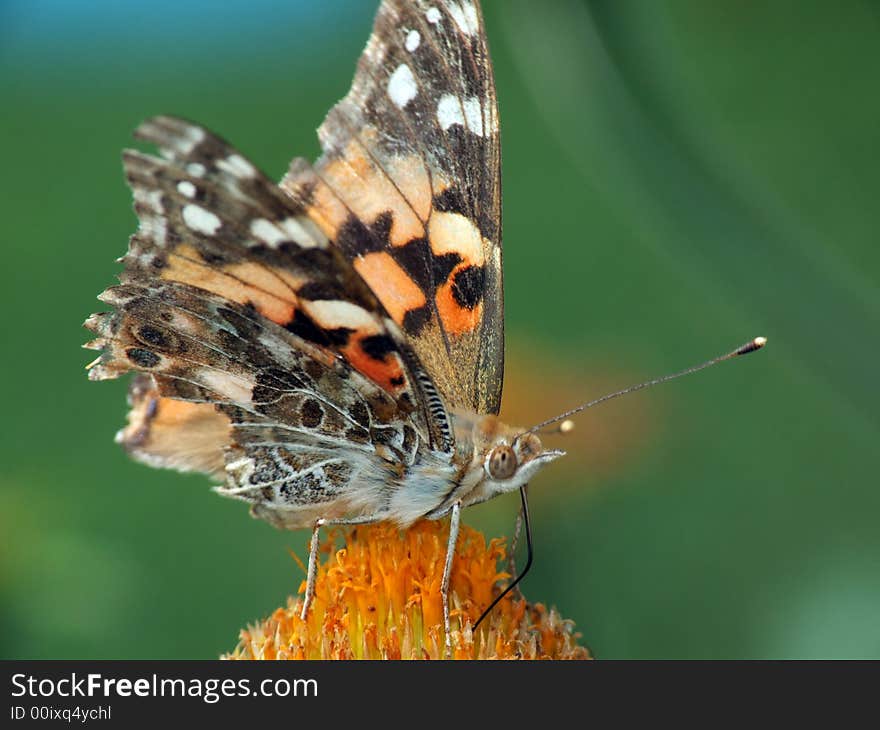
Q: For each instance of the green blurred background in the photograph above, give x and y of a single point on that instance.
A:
(679, 177)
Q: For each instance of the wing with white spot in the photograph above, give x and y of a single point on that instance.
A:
(227, 281)
(409, 189)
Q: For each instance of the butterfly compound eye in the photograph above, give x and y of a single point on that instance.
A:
(502, 462)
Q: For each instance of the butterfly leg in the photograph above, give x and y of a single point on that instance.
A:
(312, 569)
(454, 522)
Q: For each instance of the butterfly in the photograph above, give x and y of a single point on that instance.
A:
(331, 348)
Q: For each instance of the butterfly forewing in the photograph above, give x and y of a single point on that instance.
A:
(409, 189)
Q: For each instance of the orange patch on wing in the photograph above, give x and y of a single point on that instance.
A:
(242, 282)
(369, 191)
(386, 373)
(179, 414)
(412, 179)
(176, 434)
(457, 320)
(326, 210)
(394, 287)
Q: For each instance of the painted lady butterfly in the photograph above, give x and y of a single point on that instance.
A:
(331, 348)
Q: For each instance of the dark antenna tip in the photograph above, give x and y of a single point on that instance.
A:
(752, 346)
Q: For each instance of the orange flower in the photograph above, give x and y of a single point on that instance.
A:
(378, 597)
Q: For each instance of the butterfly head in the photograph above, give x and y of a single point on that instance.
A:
(506, 458)
(510, 463)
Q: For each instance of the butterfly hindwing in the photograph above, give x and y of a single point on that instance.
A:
(302, 428)
(409, 189)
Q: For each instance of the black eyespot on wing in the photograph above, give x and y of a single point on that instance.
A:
(359, 413)
(143, 358)
(468, 286)
(154, 337)
(314, 370)
(378, 346)
(311, 413)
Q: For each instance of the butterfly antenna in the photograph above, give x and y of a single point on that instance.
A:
(530, 556)
(750, 346)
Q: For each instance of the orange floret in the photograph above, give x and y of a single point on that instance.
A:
(378, 597)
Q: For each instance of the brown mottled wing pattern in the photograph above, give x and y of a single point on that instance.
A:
(409, 189)
(254, 333)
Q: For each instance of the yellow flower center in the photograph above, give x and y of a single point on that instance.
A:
(378, 597)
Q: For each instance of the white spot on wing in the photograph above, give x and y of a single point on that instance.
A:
(334, 313)
(267, 232)
(449, 111)
(432, 15)
(413, 38)
(465, 17)
(402, 86)
(468, 113)
(185, 187)
(196, 169)
(237, 166)
(201, 220)
(289, 229)
(190, 138)
(235, 388)
(297, 233)
(473, 114)
(455, 233)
